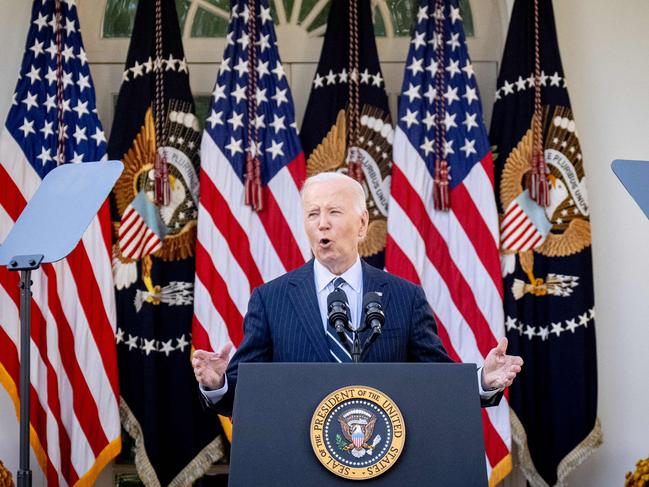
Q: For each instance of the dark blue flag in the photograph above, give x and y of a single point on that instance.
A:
(340, 122)
(546, 252)
(154, 208)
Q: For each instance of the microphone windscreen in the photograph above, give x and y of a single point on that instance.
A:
(336, 296)
(371, 297)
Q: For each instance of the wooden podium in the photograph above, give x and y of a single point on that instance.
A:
(274, 412)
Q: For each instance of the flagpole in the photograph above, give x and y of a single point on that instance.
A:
(25, 264)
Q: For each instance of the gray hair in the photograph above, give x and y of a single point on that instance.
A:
(355, 186)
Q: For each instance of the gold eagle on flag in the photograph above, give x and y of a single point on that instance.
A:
(146, 228)
(561, 229)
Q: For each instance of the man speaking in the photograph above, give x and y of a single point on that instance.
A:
(287, 317)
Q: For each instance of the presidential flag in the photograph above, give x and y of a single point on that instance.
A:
(347, 125)
(546, 252)
(154, 210)
(74, 388)
(442, 219)
(250, 226)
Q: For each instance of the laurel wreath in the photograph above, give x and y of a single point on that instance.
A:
(340, 442)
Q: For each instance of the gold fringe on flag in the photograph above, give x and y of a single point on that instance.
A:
(194, 470)
(571, 461)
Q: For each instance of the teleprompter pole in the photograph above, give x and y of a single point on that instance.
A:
(25, 264)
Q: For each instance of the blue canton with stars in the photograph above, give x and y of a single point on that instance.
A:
(33, 118)
(466, 136)
(227, 123)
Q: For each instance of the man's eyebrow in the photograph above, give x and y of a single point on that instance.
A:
(331, 206)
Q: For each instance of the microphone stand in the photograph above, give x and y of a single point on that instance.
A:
(338, 317)
(356, 349)
(370, 339)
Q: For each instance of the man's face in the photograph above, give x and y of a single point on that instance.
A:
(333, 224)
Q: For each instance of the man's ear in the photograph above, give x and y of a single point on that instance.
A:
(365, 218)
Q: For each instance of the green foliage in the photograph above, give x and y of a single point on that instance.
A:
(120, 15)
(340, 442)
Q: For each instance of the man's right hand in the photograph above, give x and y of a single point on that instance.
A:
(210, 367)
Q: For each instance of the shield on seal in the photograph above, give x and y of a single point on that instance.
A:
(358, 436)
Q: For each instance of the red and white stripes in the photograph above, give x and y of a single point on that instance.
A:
(74, 391)
(136, 239)
(454, 256)
(239, 249)
(517, 230)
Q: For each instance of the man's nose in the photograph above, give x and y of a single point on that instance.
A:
(323, 222)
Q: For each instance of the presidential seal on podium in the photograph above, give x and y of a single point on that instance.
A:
(357, 432)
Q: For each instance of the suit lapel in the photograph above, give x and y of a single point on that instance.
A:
(303, 296)
(373, 280)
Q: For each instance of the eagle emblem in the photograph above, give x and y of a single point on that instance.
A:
(147, 228)
(561, 229)
(357, 432)
(357, 426)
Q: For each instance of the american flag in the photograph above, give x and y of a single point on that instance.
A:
(452, 254)
(237, 248)
(74, 386)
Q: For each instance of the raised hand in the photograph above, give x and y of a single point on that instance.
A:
(210, 367)
(499, 368)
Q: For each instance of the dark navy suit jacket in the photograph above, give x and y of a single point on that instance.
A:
(283, 324)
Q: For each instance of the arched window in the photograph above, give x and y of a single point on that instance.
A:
(209, 18)
(300, 25)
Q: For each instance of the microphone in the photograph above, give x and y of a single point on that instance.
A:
(338, 312)
(374, 317)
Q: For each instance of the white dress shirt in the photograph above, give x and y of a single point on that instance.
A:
(353, 288)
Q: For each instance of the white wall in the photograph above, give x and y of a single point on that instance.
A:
(605, 49)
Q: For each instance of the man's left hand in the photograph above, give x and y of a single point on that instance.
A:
(500, 369)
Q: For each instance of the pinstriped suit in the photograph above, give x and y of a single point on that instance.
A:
(283, 324)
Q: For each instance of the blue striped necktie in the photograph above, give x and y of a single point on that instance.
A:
(336, 348)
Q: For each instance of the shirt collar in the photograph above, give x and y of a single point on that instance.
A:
(352, 276)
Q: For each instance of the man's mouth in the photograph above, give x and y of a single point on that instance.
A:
(324, 242)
